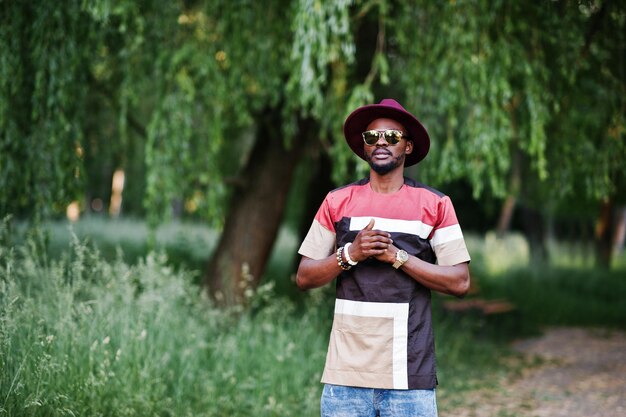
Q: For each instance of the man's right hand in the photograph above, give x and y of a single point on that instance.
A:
(369, 243)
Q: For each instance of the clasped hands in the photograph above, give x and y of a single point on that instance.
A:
(370, 243)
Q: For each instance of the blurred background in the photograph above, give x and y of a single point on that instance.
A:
(194, 141)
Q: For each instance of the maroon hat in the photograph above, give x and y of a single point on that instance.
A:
(358, 120)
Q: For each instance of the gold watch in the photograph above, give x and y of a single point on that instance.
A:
(401, 257)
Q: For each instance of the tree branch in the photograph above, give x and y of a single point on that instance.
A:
(594, 28)
(380, 48)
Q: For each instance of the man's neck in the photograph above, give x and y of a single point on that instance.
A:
(388, 183)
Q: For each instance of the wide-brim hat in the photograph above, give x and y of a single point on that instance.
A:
(359, 119)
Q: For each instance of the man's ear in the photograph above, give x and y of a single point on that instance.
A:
(409, 147)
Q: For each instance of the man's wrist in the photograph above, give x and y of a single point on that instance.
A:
(401, 257)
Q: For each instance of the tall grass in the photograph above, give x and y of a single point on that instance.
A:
(187, 245)
(82, 336)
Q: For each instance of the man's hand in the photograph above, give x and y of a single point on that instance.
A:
(370, 243)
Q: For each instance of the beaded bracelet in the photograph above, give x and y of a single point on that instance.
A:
(343, 265)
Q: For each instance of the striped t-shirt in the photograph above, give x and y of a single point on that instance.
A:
(382, 332)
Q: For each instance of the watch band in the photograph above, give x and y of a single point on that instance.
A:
(401, 257)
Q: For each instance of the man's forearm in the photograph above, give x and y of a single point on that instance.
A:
(452, 280)
(314, 273)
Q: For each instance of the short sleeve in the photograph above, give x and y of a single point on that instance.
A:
(319, 242)
(447, 238)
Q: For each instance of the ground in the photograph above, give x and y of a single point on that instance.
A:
(571, 372)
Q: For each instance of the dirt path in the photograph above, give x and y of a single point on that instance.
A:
(582, 373)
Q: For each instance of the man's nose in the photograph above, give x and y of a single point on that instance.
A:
(381, 140)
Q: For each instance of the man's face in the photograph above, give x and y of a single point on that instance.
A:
(383, 157)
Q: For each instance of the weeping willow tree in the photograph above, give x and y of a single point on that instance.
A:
(215, 103)
(527, 100)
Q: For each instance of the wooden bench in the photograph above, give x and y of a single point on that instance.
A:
(479, 305)
(498, 317)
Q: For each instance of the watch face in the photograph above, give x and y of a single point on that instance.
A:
(402, 256)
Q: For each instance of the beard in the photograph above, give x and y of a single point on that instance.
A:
(386, 167)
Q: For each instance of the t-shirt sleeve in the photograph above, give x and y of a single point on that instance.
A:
(447, 238)
(319, 242)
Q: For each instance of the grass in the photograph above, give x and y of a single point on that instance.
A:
(86, 331)
(568, 291)
(83, 336)
(187, 245)
(564, 296)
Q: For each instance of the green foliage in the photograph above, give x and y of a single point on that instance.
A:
(42, 85)
(481, 83)
(173, 92)
(322, 37)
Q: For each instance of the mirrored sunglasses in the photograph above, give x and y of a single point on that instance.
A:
(392, 136)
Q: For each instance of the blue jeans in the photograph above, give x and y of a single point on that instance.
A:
(339, 401)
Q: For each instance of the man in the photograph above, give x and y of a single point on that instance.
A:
(388, 240)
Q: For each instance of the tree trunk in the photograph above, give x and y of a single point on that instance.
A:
(515, 183)
(620, 231)
(506, 214)
(256, 212)
(604, 234)
(319, 184)
(535, 232)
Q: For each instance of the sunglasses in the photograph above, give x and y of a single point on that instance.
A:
(392, 136)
